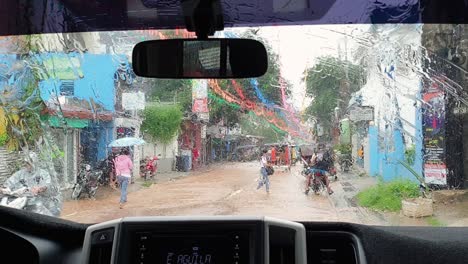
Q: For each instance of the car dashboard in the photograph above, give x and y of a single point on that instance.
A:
(238, 240)
(195, 240)
(222, 239)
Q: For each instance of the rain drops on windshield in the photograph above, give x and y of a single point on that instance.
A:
(353, 123)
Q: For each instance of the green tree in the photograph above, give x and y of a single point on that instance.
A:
(253, 125)
(169, 90)
(222, 110)
(268, 83)
(330, 83)
(21, 105)
(162, 122)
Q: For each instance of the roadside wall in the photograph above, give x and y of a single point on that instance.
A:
(166, 161)
(385, 156)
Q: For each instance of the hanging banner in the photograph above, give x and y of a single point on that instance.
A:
(200, 106)
(200, 89)
(200, 99)
(435, 169)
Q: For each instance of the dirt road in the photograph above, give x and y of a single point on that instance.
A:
(228, 189)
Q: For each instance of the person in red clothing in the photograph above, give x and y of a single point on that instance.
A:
(286, 156)
(195, 155)
(273, 155)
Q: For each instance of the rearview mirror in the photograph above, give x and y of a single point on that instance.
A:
(200, 59)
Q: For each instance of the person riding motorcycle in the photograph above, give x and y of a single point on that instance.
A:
(320, 165)
(42, 191)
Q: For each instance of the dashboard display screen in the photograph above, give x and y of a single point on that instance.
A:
(193, 248)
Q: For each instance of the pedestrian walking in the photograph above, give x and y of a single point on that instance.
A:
(361, 156)
(123, 169)
(264, 180)
(286, 156)
(293, 155)
(273, 155)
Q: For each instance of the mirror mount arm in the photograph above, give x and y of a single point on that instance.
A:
(204, 17)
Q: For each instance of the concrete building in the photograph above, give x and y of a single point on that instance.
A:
(393, 91)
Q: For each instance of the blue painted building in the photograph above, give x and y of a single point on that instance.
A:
(386, 155)
(387, 146)
(84, 87)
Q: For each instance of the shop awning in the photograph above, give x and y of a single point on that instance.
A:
(75, 108)
(56, 121)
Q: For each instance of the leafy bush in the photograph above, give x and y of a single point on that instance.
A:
(3, 140)
(388, 196)
(344, 148)
(162, 122)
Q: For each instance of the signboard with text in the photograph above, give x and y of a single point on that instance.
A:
(200, 99)
(435, 169)
(362, 113)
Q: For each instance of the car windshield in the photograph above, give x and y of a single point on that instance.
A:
(355, 123)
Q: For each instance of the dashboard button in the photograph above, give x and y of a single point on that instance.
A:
(143, 248)
(104, 236)
(144, 237)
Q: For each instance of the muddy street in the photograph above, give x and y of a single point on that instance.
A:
(228, 189)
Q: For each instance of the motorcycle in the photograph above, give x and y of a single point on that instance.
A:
(106, 166)
(345, 162)
(346, 165)
(87, 182)
(149, 167)
(333, 173)
(316, 184)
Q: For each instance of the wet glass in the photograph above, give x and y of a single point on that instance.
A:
(377, 113)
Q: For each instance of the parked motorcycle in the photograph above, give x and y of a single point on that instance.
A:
(87, 182)
(345, 161)
(346, 165)
(106, 166)
(149, 167)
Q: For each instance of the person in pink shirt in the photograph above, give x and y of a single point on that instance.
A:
(123, 169)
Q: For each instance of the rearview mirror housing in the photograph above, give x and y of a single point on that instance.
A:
(200, 59)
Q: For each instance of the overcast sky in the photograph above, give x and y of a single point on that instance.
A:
(300, 46)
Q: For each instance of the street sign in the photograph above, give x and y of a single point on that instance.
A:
(203, 131)
(362, 113)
